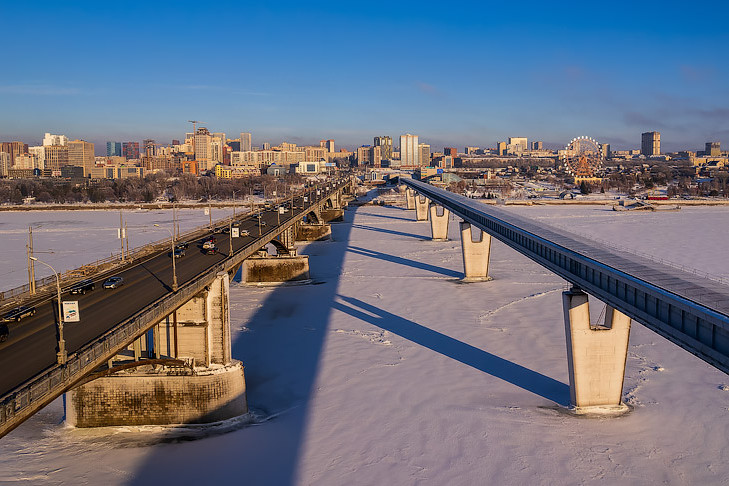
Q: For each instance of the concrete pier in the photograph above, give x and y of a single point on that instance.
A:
(595, 355)
(410, 198)
(329, 215)
(475, 254)
(421, 208)
(313, 232)
(203, 385)
(276, 269)
(439, 222)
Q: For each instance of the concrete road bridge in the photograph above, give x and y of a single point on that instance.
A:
(687, 309)
(171, 321)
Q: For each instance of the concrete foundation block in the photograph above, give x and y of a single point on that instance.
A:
(421, 208)
(164, 396)
(475, 254)
(439, 223)
(313, 232)
(596, 355)
(410, 198)
(276, 269)
(329, 215)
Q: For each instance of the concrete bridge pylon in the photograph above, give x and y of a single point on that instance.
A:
(421, 208)
(596, 355)
(476, 254)
(410, 198)
(439, 222)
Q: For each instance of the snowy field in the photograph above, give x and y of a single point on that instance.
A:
(388, 371)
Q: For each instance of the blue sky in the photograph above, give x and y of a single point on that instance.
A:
(458, 73)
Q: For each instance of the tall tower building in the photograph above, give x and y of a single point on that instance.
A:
(650, 144)
(202, 142)
(385, 144)
(713, 149)
(150, 148)
(113, 149)
(452, 151)
(424, 154)
(409, 154)
(50, 139)
(246, 142)
(327, 144)
(81, 154)
(130, 150)
(15, 149)
(56, 156)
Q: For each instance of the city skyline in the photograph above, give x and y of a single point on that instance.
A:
(293, 73)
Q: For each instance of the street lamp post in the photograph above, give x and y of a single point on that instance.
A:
(62, 355)
(174, 267)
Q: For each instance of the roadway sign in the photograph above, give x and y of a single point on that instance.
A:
(235, 232)
(70, 311)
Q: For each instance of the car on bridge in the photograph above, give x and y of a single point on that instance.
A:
(184, 245)
(18, 313)
(113, 282)
(210, 250)
(178, 253)
(82, 287)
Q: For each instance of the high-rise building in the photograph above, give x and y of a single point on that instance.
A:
(246, 142)
(327, 144)
(113, 149)
(452, 151)
(424, 154)
(50, 139)
(4, 164)
(605, 151)
(40, 153)
(537, 145)
(713, 149)
(130, 150)
(385, 144)
(500, 148)
(81, 154)
(56, 156)
(473, 150)
(265, 146)
(519, 142)
(409, 154)
(14, 149)
(650, 144)
(150, 147)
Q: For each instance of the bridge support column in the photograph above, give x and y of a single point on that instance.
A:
(287, 239)
(421, 208)
(208, 388)
(271, 270)
(410, 198)
(476, 254)
(595, 355)
(439, 223)
(313, 232)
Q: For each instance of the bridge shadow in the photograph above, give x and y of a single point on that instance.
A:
(391, 217)
(479, 359)
(391, 232)
(280, 346)
(404, 261)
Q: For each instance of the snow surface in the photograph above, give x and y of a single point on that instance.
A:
(388, 370)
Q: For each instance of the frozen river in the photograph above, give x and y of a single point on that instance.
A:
(390, 371)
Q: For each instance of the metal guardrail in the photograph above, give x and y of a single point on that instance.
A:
(19, 404)
(690, 311)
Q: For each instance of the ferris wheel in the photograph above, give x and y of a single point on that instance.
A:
(582, 158)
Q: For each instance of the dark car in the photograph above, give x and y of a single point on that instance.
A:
(211, 239)
(184, 245)
(212, 250)
(82, 287)
(18, 313)
(113, 282)
(178, 253)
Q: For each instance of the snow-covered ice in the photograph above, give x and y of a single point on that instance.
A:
(388, 370)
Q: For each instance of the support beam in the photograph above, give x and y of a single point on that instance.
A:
(475, 254)
(439, 222)
(595, 355)
(410, 198)
(421, 208)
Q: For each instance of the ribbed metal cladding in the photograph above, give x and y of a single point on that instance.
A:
(685, 308)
